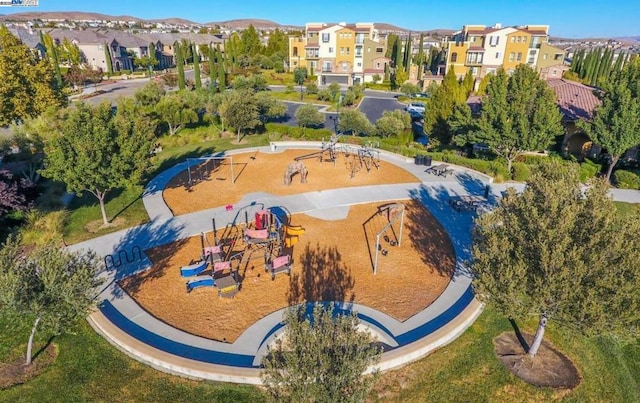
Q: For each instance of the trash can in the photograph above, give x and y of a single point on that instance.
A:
(419, 160)
(426, 161)
(273, 147)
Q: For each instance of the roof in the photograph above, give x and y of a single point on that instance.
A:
(475, 104)
(476, 49)
(28, 37)
(372, 71)
(575, 100)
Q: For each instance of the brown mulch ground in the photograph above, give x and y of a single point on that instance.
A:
(15, 372)
(332, 261)
(548, 368)
(259, 172)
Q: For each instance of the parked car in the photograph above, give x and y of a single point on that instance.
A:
(416, 110)
(420, 95)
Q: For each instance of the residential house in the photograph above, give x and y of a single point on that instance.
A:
(343, 53)
(30, 38)
(482, 50)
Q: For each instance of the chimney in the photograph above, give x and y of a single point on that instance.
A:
(497, 25)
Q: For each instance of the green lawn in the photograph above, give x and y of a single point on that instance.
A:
(90, 369)
(468, 370)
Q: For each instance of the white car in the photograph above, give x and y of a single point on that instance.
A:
(416, 109)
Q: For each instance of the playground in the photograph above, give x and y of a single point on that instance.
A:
(209, 183)
(332, 260)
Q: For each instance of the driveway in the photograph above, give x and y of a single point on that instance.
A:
(374, 106)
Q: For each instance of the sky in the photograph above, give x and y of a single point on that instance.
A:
(567, 18)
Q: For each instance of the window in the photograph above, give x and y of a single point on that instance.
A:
(554, 72)
(513, 39)
(341, 51)
(359, 64)
(295, 51)
(345, 66)
(544, 57)
(326, 67)
(368, 50)
(559, 56)
(494, 40)
(474, 71)
(519, 58)
(498, 55)
(379, 50)
(512, 56)
(313, 65)
(377, 65)
(325, 38)
(330, 50)
(348, 51)
(532, 52)
(358, 51)
(472, 38)
(454, 57)
(524, 39)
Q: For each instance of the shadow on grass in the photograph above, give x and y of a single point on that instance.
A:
(324, 277)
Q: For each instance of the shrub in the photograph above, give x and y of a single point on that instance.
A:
(521, 172)
(588, 170)
(626, 179)
(324, 95)
(312, 88)
(289, 89)
(349, 98)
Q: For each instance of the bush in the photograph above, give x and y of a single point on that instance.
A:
(588, 170)
(324, 95)
(289, 89)
(349, 98)
(626, 179)
(521, 172)
(312, 88)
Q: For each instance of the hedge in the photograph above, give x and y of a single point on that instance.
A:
(626, 179)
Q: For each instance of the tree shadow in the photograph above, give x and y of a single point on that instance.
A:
(324, 277)
(128, 259)
(43, 348)
(521, 339)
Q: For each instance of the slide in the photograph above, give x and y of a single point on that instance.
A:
(200, 281)
(296, 230)
(194, 269)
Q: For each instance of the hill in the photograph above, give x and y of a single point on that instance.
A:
(244, 23)
(66, 15)
(174, 21)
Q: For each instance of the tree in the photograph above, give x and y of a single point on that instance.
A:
(180, 65)
(277, 43)
(240, 110)
(519, 114)
(440, 106)
(150, 94)
(213, 69)
(97, 151)
(376, 78)
(399, 76)
(11, 196)
(175, 112)
(28, 85)
(299, 75)
(355, 122)
(321, 358)
(615, 124)
(468, 83)
(107, 57)
(420, 58)
(49, 286)
(251, 44)
(196, 67)
(52, 55)
(388, 126)
(561, 254)
(222, 75)
(308, 115)
(269, 107)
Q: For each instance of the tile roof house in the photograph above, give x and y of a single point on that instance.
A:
(575, 100)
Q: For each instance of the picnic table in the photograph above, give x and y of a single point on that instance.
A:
(440, 170)
(461, 203)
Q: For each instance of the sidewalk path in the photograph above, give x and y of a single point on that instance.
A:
(125, 324)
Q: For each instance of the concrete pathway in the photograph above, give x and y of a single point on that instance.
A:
(125, 324)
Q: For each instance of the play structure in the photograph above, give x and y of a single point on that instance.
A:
(327, 151)
(223, 259)
(296, 167)
(357, 158)
(393, 212)
(201, 168)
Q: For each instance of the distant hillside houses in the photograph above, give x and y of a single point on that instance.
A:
(101, 48)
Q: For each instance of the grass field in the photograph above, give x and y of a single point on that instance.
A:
(90, 369)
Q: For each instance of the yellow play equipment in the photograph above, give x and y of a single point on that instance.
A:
(292, 234)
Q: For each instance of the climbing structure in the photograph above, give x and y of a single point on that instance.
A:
(297, 167)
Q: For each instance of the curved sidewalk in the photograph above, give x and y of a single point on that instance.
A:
(125, 324)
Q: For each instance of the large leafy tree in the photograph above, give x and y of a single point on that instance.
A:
(49, 287)
(519, 114)
(28, 85)
(240, 110)
(174, 110)
(560, 253)
(355, 122)
(251, 45)
(616, 123)
(308, 115)
(11, 196)
(321, 358)
(269, 107)
(277, 43)
(97, 151)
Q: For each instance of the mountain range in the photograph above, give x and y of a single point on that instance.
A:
(231, 24)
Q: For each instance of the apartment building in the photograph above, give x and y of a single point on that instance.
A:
(339, 53)
(482, 50)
